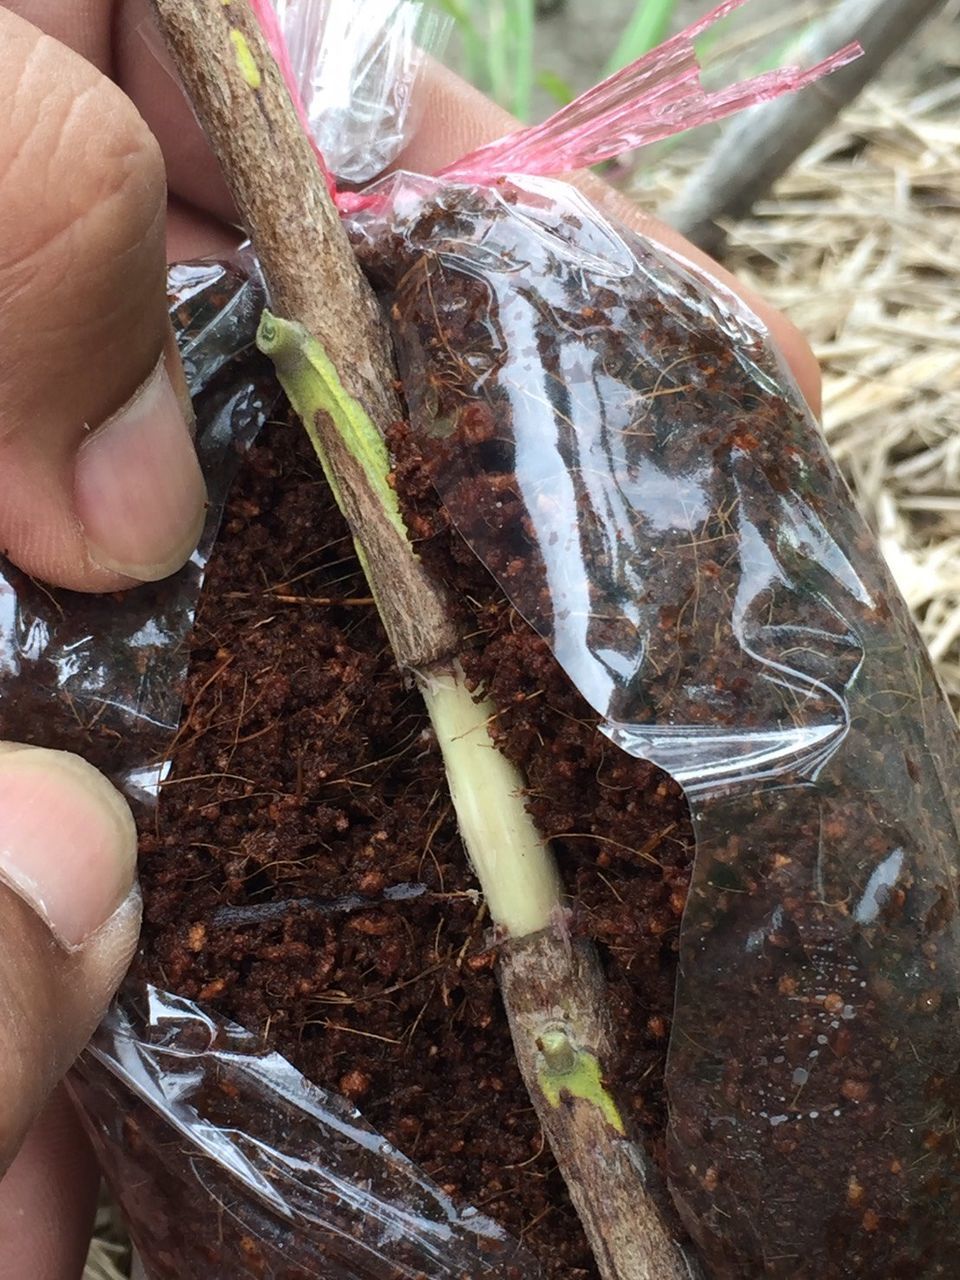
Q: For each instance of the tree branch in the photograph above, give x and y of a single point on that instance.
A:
(762, 144)
(332, 353)
(555, 996)
(313, 279)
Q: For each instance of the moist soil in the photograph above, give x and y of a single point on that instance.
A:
(303, 875)
(621, 446)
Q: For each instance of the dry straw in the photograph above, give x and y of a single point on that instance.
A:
(860, 245)
(109, 1257)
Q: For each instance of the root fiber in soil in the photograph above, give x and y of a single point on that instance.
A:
(304, 876)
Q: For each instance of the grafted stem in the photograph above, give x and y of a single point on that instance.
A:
(332, 353)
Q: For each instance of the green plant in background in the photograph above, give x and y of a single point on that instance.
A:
(497, 43)
(649, 25)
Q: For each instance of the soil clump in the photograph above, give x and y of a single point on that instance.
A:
(303, 875)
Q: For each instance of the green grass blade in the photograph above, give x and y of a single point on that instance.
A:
(472, 40)
(648, 26)
(498, 61)
(560, 90)
(523, 19)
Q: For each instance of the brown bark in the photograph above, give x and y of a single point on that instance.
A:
(555, 996)
(313, 279)
(280, 191)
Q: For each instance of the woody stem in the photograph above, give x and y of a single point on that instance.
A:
(332, 352)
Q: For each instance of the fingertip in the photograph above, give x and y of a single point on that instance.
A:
(69, 920)
(800, 359)
(139, 493)
(456, 118)
(68, 843)
(100, 486)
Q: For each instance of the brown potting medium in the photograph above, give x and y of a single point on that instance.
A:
(304, 877)
(322, 896)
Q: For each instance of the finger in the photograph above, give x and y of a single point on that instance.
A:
(99, 480)
(69, 917)
(48, 1199)
(83, 27)
(143, 68)
(119, 37)
(192, 234)
(457, 118)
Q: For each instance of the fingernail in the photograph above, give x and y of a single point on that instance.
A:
(139, 491)
(68, 844)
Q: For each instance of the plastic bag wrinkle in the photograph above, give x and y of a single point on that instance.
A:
(354, 69)
(103, 674)
(305, 1186)
(613, 434)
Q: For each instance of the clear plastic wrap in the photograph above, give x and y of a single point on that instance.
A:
(230, 1163)
(225, 1160)
(613, 433)
(354, 68)
(104, 675)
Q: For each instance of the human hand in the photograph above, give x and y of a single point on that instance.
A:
(99, 487)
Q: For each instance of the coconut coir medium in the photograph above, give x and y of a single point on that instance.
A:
(304, 877)
(619, 442)
(305, 889)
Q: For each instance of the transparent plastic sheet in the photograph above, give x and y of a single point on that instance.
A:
(103, 675)
(617, 439)
(225, 1160)
(354, 68)
(229, 1163)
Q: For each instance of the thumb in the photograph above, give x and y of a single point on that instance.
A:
(69, 916)
(99, 481)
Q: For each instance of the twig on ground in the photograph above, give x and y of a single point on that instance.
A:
(762, 144)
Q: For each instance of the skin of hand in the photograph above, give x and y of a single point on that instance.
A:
(104, 176)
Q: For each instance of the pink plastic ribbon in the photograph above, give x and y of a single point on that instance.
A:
(654, 98)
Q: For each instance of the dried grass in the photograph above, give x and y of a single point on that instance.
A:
(109, 1257)
(860, 245)
(863, 252)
